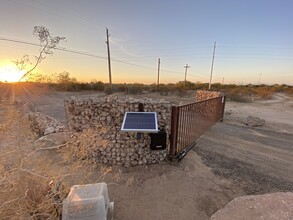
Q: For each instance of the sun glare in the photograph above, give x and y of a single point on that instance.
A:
(10, 73)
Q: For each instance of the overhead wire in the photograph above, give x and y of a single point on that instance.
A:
(90, 55)
(73, 51)
(58, 15)
(83, 21)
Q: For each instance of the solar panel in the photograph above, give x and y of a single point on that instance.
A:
(140, 122)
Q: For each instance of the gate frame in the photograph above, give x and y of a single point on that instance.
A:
(173, 150)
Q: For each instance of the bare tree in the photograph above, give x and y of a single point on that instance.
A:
(47, 46)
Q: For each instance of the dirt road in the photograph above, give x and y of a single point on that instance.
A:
(257, 159)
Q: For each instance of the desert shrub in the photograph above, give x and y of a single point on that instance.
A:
(280, 88)
(122, 88)
(181, 85)
(216, 86)
(165, 89)
(239, 94)
(153, 87)
(264, 92)
(288, 90)
(135, 88)
(42, 199)
(33, 198)
(203, 86)
(99, 86)
(108, 90)
(182, 92)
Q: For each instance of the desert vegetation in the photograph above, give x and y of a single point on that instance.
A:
(28, 189)
(64, 82)
(35, 178)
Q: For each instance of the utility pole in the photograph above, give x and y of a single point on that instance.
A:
(158, 80)
(109, 59)
(223, 80)
(186, 66)
(210, 84)
(259, 79)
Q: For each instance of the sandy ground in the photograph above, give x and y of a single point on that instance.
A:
(230, 160)
(260, 159)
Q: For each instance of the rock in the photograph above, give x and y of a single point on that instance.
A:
(254, 121)
(49, 130)
(275, 206)
(43, 124)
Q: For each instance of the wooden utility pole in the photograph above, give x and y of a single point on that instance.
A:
(158, 80)
(212, 68)
(259, 79)
(186, 67)
(109, 58)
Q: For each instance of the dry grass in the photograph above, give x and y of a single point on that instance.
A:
(27, 189)
(248, 94)
(130, 181)
(32, 185)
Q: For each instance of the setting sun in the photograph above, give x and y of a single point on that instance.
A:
(10, 73)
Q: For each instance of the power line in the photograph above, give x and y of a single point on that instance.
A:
(103, 57)
(256, 47)
(74, 51)
(131, 64)
(56, 14)
(58, 48)
(100, 57)
(69, 13)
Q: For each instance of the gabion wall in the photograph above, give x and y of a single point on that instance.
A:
(203, 95)
(124, 148)
(44, 124)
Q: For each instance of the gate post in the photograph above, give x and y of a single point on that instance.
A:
(223, 107)
(174, 132)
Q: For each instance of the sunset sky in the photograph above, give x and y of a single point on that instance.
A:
(254, 38)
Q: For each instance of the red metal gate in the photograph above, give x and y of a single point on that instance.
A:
(189, 122)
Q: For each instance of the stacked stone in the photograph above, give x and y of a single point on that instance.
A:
(43, 124)
(211, 109)
(122, 152)
(204, 95)
(123, 148)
